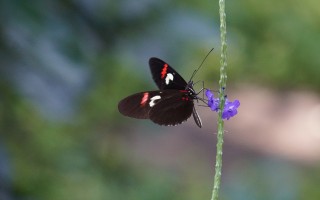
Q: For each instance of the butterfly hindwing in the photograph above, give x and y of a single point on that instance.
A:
(165, 76)
(174, 108)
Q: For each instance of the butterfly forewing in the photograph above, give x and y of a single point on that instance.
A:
(174, 108)
(138, 105)
(165, 76)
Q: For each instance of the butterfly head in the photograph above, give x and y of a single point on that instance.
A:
(191, 91)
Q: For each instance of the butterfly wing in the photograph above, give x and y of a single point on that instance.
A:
(166, 107)
(138, 105)
(174, 108)
(165, 76)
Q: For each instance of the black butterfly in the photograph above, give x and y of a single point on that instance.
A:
(172, 104)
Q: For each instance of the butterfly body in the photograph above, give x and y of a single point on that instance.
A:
(172, 104)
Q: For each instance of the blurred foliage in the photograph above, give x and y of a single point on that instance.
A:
(278, 42)
(90, 50)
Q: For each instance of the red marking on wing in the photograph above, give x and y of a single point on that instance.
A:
(144, 98)
(183, 90)
(164, 70)
(185, 99)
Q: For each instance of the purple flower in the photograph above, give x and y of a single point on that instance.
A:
(213, 103)
(230, 108)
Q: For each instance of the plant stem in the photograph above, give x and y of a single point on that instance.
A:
(222, 84)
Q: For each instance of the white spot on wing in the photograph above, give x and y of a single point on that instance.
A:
(168, 78)
(153, 99)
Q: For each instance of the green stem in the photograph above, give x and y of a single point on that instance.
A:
(222, 84)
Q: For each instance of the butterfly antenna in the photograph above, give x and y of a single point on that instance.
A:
(195, 71)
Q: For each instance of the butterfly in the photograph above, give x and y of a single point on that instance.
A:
(172, 104)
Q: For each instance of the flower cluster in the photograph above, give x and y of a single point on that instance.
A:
(230, 108)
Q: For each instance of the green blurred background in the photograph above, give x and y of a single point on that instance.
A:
(64, 65)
